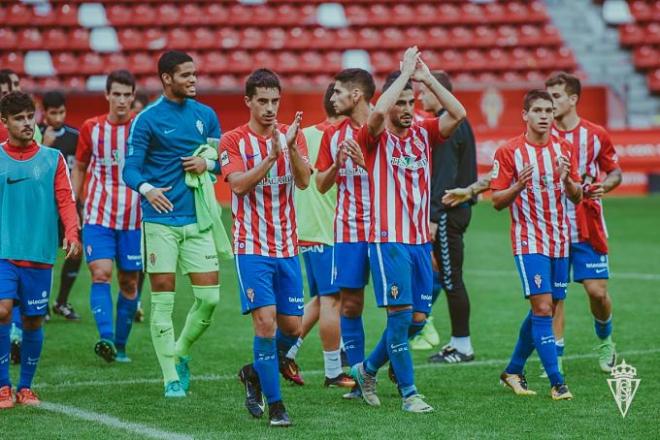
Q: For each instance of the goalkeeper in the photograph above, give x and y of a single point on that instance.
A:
(179, 224)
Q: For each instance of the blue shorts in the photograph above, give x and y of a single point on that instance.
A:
(28, 286)
(402, 275)
(269, 281)
(318, 265)
(542, 274)
(588, 264)
(350, 265)
(102, 243)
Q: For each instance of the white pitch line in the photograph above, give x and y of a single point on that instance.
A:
(223, 377)
(638, 276)
(112, 422)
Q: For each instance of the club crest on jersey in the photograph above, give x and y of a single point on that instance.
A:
(394, 291)
(152, 258)
(250, 294)
(538, 280)
(496, 170)
(224, 158)
(200, 126)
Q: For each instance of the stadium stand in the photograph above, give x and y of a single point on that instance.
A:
(305, 41)
(643, 38)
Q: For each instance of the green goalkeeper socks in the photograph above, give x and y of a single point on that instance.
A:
(199, 317)
(162, 333)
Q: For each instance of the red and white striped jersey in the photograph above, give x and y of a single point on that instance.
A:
(109, 201)
(352, 216)
(595, 154)
(539, 222)
(264, 218)
(400, 172)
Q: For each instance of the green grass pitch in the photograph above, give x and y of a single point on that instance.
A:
(125, 401)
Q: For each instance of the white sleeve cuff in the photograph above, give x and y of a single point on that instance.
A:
(210, 164)
(145, 188)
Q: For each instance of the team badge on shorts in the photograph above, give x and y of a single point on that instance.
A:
(538, 280)
(394, 291)
(250, 294)
(89, 249)
(152, 258)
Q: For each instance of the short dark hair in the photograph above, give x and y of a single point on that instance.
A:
(359, 78)
(14, 103)
(169, 60)
(393, 77)
(4, 78)
(443, 78)
(261, 78)
(570, 82)
(53, 99)
(8, 72)
(142, 98)
(533, 95)
(121, 77)
(327, 104)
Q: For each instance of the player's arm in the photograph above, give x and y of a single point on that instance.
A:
(377, 117)
(456, 196)
(327, 167)
(242, 181)
(607, 162)
(297, 153)
(138, 143)
(505, 185)
(83, 156)
(568, 174)
(455, 112)
(66, 207)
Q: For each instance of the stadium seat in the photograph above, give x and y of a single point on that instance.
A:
(228, 38)
(343, 39)
(251, 38)
(228, 82)
(204, 38)
(262, 15)
(119, 15)
(54, 39)
(154, 39)
(131, 39)
(383, 61)
(18, 15)
(460, 37)
(483, 36)
(392, 38)
(65, 63)
(646, 57)
(116, 61)
(312, 62)
(288, 62)
(357, 15)
(653, 79)
(142, 63)
(425, 13)
(143, 15)
(66, 15)
(91, 63)
(8, 39)
(369, 38)
(192, 14)
(30, 39)
(215, 14)
(168, 15)
(179, 39)
(265, 59)
(239, 61)
(275, 38)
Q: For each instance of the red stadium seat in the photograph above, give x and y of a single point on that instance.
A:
(463, 77)
(79, 39)
(512, 77)
(168, 15)
(383, 61)
(18, 14)
(357, 15)
(251, 38)
(344, 38)
(228, 82)
(179, 39)
(299, 38)
(652, 33)
(653, 79)
(66, 63)
(448, 13)
(645, 57)
(150, 82)
(8, 39)
(54, 39)
(495, 12)
(275, 38)
(91, 63)
(288, 62)
(403, 13)
(214, 62)
(66, 15)
(473, 14)
(461, 36)
(392, 38)
(262, 15)
(425, 13)
(631, 34)
(438, 37)
(497, 59)
(228, 38)
(474, 59)
(507, 36)
(30, 39)
(154, 39)
(131, 39)
(296, 81)
(142, 63)
(641, 10)
(312, 62)
(380, 14)
(239, 62)
(116, 61)
(484, 36)
(43, 19)
(333, 62)
(265, 59)
(530, 35)
(322, 81)
(369, 38)
(487, 77)
(74, 82)
(119, 15)
(240, 15)
(204, 38)
(518, 13)
(215, 14)
(418, 36)
(522, 59)
(535, 76)
(206, 82)
(13, 60)
(289, 15)
(143, 15)
(451, 60)
(192, 14)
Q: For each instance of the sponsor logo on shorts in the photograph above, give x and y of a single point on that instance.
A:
(394, 291)
(211, 257)
(293, 299)
(562, 285)
(38, 302)
(152, 258)
(250, 294)
(427, 297)
(313, 248)
(134, 257)
(601, 270)
(596, 265)
(538, 280)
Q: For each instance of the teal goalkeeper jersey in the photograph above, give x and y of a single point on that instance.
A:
(315, 211)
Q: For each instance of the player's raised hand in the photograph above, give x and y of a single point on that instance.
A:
(456, 196)
(275, 144)
(564, 167)
(156, 198)
(525, 176)
(595, 191)
(353, 150)
(342, 155)
(410, 57)
(422, 71)
(292, 132)
(72, 248)
(193, 164)
(49, 136)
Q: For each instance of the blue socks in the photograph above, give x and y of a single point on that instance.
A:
(266, 366)
(101, 302)
(33, 341)
(544, 341)
(284, 342)
(398, 324)
(352, 332)
(125, 313)
(5, 345)
(415, 328)
(559, 346)
(603, 328)
(378, 356)
(524, 347)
